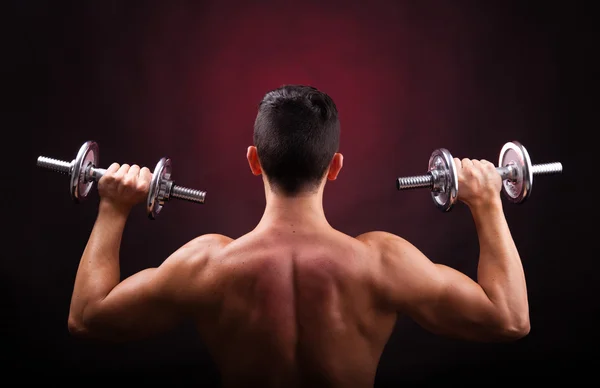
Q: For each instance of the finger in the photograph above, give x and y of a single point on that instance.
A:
(145, 174)
(134, 171)
(458, 163)
(466, 162)
(145, 178)
(131, 176)
(110, 173)
(122, 170)
(487, 165)
(113, 168)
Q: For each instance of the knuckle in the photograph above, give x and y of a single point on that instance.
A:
(127, 180)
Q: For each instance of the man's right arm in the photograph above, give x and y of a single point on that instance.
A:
(446, 301)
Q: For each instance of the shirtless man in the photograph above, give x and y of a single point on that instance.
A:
(296, 303)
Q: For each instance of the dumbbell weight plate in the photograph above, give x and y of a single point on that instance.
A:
(445, 191)
(80, 185)
(159, 187)
(515, 155)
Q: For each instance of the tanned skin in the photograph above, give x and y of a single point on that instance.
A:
(294, 302)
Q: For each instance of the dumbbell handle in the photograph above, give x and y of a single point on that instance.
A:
(95, 174)
(506, 172)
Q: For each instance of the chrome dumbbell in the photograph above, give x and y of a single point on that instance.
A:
(514, 166)
(83, 173)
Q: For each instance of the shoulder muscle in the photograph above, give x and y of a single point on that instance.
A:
(189, 261)
(402, 271)
(200, 247)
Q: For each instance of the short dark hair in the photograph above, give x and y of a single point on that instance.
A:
(296, 134)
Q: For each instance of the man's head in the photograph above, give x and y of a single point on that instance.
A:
(296, 139)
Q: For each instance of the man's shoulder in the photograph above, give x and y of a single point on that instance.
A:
(385, 243)
(204, 246)
(377, 238)
(212, 239)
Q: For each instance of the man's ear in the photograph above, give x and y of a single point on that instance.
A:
(252, 156)
(335, 166)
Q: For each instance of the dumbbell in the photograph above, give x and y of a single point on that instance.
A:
(83, 173)
(514, 166)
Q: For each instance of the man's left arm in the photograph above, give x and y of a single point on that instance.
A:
(151, 301)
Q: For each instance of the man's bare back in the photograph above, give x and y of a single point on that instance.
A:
(295, 306)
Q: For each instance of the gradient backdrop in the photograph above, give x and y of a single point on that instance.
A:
(147, 79)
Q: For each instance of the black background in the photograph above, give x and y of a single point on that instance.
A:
(149, 79)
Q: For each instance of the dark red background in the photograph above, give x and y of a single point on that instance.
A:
(147, 79)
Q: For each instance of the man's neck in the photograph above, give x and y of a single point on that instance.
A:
(302, 209)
